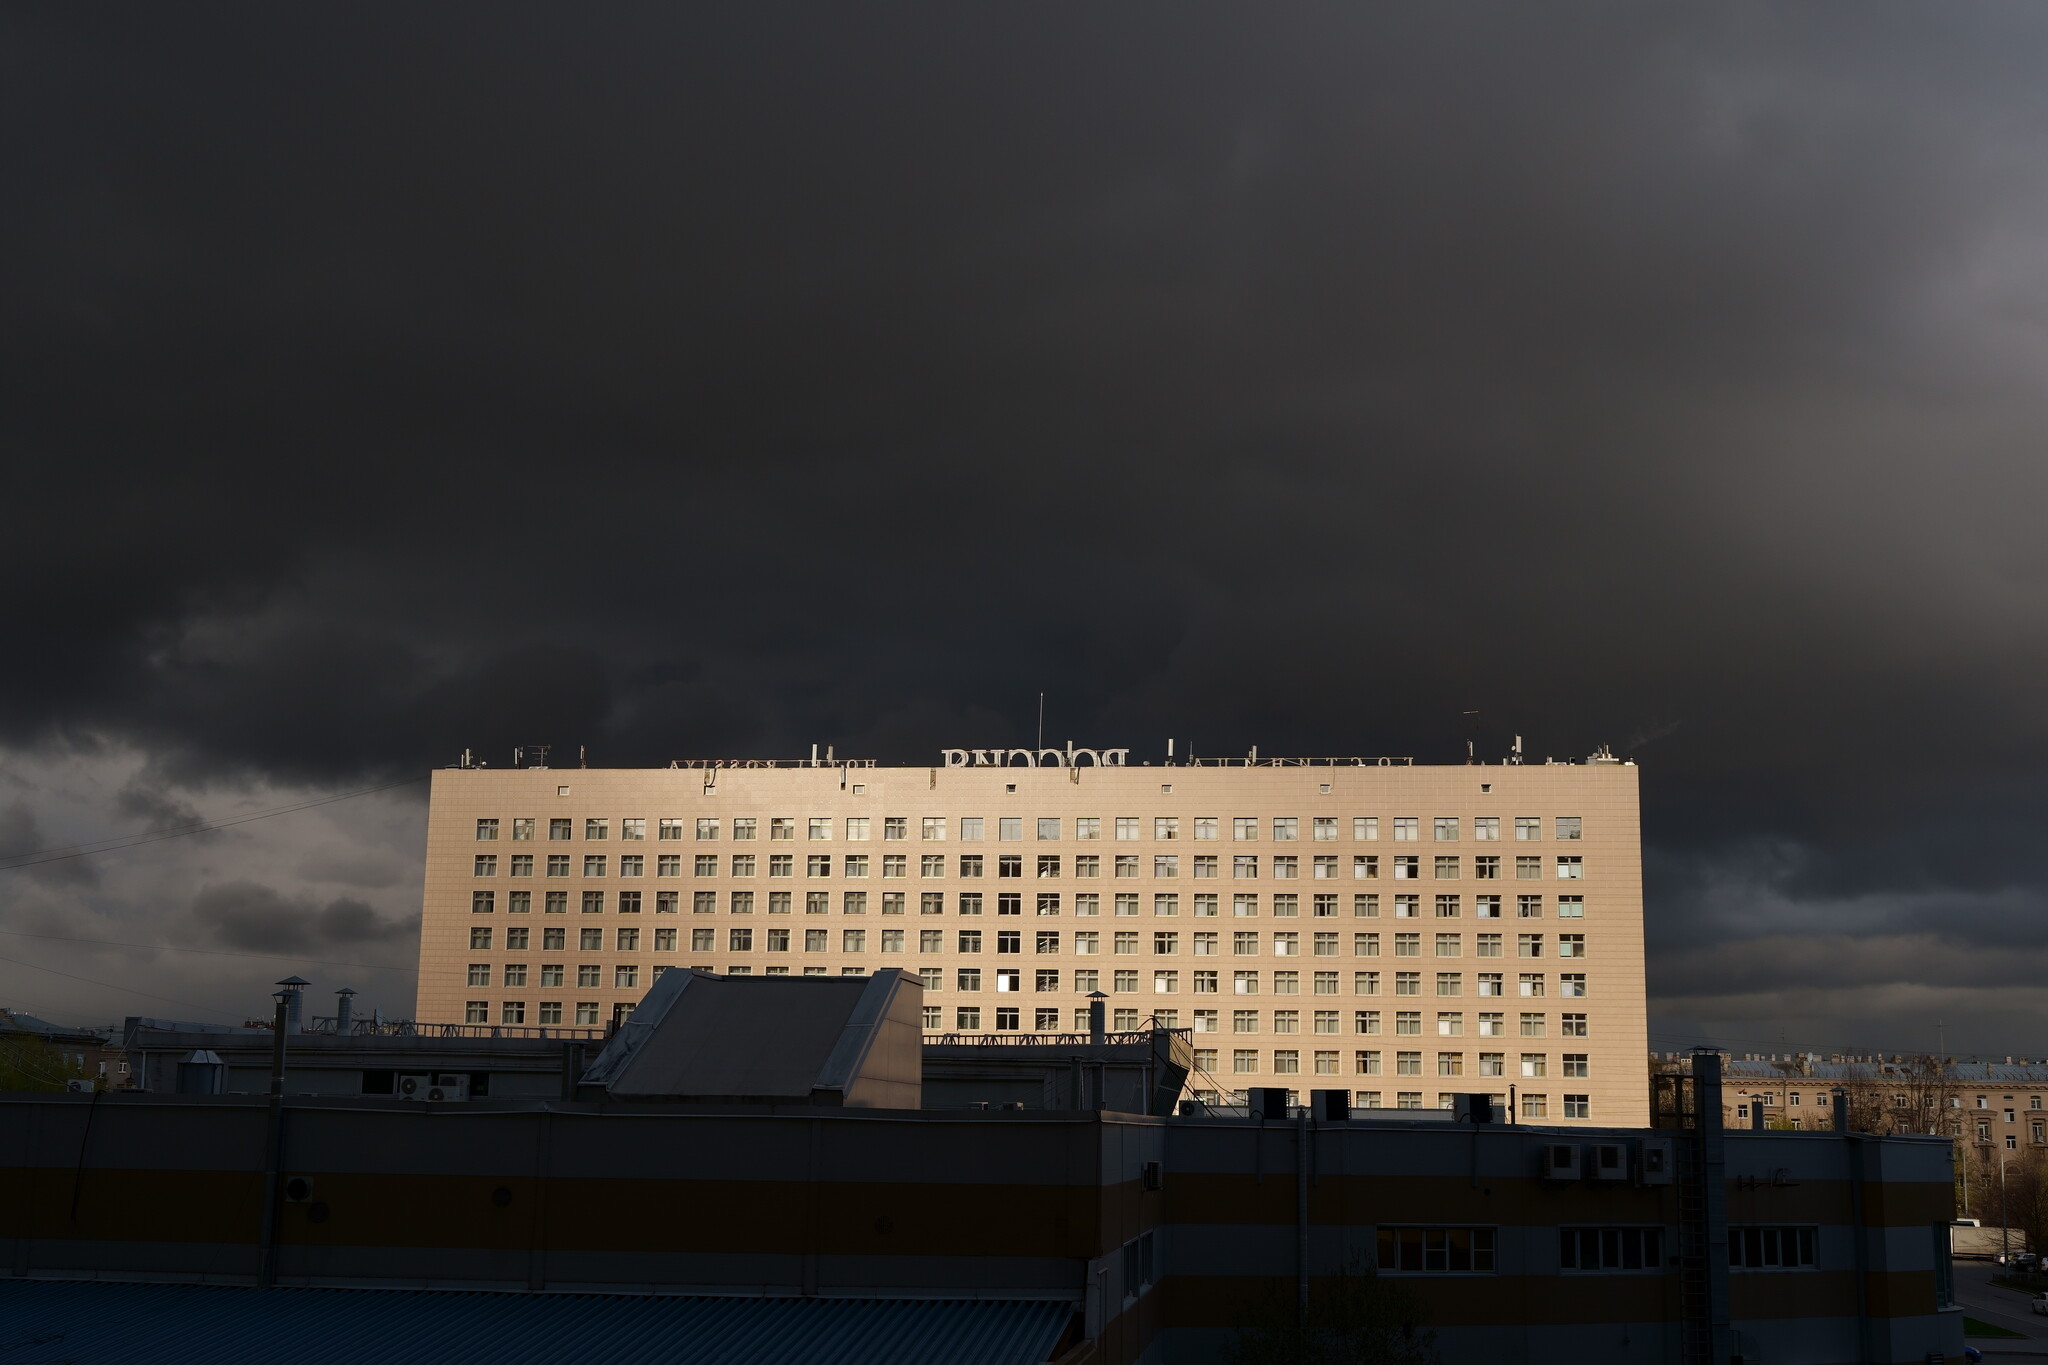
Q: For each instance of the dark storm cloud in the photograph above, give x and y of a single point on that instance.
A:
(717, 382)
(258, 918)
(21, 833)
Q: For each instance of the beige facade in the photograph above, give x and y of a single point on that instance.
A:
(1404, 932)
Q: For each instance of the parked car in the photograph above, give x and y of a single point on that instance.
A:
(2026, 1260)
(2039, 1303)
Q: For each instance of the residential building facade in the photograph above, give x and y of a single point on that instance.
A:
(1403, 931)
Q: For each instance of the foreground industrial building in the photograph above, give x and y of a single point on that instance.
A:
(750, 1166)
(1402, 932)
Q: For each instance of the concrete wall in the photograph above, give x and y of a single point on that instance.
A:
(851, 1202)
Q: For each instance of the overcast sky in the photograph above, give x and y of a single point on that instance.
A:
(394, 380)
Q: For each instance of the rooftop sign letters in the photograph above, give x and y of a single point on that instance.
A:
(1069, 757)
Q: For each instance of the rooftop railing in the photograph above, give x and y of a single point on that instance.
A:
(1007, 1039)
(413, 1028)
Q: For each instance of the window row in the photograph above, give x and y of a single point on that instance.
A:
(1533, 1106)
(1052, 943)
(1012, 828)
(1044, 866)
(1046, 904)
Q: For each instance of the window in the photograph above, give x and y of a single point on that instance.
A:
(1486, 868)
(1244, 1061)
(1771, 1248)
(633, 828)
(1435, 1250)
(476, 1012)
(1568, 827)
(1571, 945)
(1286, 827)
(895, 827)
(1609, 1248)
(1325, 829)
(1446, 828)
(1528, 945)
(561, 829)
(522, 830)
(486, 829)
(1528, 869)
(1570, 868)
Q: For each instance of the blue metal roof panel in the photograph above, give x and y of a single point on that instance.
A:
(100, 1322)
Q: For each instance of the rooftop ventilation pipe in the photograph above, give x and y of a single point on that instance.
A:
(293, 1000)
(344, 1010)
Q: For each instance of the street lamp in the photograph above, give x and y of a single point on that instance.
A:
(2004, 1219)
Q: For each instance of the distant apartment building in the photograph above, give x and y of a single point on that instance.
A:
(1406, 932)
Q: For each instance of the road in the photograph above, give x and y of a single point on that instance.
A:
(2000, 1307)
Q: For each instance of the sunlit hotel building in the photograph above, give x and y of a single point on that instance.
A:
(1406, 932)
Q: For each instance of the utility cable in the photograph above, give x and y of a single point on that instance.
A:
(125, 990)
(37, 857)
(209, 952)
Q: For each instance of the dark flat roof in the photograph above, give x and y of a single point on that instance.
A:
(104, 1322)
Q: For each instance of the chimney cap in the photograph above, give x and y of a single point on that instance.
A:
(1097, 995)
(294, 982)
(346, 990)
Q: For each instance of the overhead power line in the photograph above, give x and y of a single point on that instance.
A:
(10, 862)
(125, 990)
(208, 952)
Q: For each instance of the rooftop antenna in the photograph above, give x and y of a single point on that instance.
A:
(1517, 751)
(1471, 738)
(1041, 720)
(582, 756)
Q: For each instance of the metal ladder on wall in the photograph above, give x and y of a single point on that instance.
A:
(1696, 1331)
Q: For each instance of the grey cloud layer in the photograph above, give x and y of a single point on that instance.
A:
(717, 383)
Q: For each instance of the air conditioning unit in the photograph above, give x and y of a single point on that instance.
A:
(448, 1089)
(1560, 1161)
(1655, 1160)
(412, 1087)
(1610, 1161)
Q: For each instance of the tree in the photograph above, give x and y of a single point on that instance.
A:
(29, 1063)
(1354, 1318)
